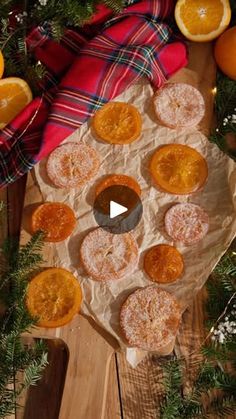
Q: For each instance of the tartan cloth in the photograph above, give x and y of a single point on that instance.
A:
(84, 73)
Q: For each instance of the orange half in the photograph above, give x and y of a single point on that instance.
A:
(178, 169)
(54, 297)
(117, 123)
(15, 94)
(202, 20)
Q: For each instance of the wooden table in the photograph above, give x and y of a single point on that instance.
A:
(94, 381)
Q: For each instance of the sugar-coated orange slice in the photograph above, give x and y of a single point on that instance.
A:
(106, 256)
(178, 169)
(187, 223)
(72, 165)
(54, 297)
(179, 105)
(116, 179)
(56, 219)
(150, 318)
(163, 263)
(117, 123)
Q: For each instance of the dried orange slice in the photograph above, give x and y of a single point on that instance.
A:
(72, 165)
(117, 123)
(163, 263)
(54, 297)
(187, 223)
(202, 20)
(150, 318)
(178, 169)
(57, 220)
(15, 94)
(179, 105)
(1, 64)
(116, 179)
(106, 256)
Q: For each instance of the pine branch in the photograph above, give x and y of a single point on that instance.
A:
(222, 407)
(58, 14)
(20, 263)
(212, 373)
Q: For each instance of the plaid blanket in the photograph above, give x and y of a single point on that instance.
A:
(85, 71)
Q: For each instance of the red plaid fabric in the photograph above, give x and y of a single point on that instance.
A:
(85, 73)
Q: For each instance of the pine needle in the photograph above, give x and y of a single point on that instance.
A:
(18, 264)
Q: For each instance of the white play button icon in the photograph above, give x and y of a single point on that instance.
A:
(116, 209)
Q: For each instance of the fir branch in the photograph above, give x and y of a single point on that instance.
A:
(213, 373)
(222, 407)
(20, 263)
(225, 105)
(56, 13)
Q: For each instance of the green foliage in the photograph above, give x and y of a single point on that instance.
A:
(212, 372)
(225, 105)
(209, 377)
(17, 265)
(58, 14)
(224, 135)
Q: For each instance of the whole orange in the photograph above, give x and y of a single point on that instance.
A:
(1, 64)
(225, 52)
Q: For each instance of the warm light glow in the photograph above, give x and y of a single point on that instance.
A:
(214, 91)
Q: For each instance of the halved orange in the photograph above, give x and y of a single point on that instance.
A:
(54, 297)
(178, 169)
(163, 263)
(202, 20)
(117, 123)
(1, 64)
(56, 219)
(116, 179)
(15, 94)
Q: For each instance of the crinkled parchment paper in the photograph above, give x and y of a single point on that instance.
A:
(102, 301)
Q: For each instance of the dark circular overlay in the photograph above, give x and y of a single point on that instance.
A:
(121, 195)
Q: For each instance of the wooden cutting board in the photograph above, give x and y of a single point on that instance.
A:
(89, 352)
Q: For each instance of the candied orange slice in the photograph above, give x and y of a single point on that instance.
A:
(150, 318)
(72, 165)
(54, 297)
(163, 263)
(57, 220)
(178, 169)
(116, 179)
(117, 123)
(202, 20)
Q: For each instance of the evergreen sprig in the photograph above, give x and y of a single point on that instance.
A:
(224, 135)
(17, 19)
(17, 265)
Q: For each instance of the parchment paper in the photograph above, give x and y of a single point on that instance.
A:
(102, 301)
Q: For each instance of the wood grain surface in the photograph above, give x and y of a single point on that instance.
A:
(99, 383)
